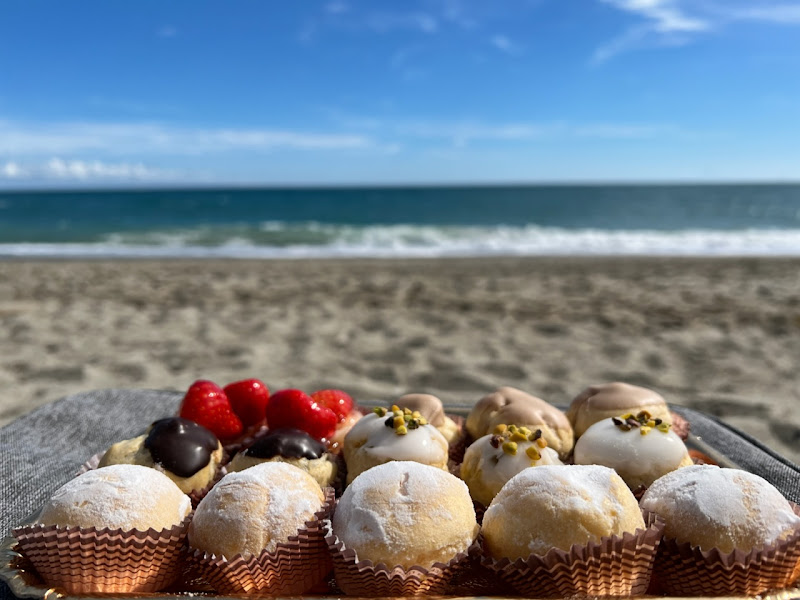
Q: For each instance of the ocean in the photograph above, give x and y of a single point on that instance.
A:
(679, 220)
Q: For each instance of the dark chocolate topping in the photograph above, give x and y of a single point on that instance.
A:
(288, 443)
(180, 446)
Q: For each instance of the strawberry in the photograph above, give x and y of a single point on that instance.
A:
(338, 401)
(206, 404)
(248, 400)
(294, 408)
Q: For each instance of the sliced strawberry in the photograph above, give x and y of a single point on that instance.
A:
(338, 401)
(206, 404)
(248, 400)
(295, 408)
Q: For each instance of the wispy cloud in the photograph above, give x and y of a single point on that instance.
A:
(385, 22)
(337, 7)
(167, 31)
(18, 139)
(82, 170)
(679, 22)
(505, 44)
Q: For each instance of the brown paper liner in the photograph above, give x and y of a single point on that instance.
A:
(685, 570)
(104, 561)
(614, 566)
(365, 579)
(295, 567)
(195, 495)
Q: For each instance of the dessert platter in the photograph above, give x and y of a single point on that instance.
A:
(231, 492)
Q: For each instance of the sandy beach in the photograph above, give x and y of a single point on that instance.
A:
(718, 335)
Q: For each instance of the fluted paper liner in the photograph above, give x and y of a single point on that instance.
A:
(295, 567)
(195, 495)
(685, 570)
(614, 566)
(104, 561)
(366, 579)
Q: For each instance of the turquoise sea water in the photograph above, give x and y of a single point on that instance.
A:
(404, 222)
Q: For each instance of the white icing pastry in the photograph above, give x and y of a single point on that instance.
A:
(371, 442)
(486, 468)
(639, 459)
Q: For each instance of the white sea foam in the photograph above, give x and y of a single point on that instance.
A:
(316, 240)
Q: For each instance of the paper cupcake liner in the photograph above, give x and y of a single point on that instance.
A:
(195, 495)
(459, 446)
(685, 570)
(104, 561)
(614, 566)
(363, 578)
(295, 567)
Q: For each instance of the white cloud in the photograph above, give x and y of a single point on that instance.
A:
(504, 44)
(167, 31)
(135, 138)
(83, 170)
(786, 14)
(337, 7)
(665, 16)
(386, 22)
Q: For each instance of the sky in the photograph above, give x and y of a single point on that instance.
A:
(268, 92)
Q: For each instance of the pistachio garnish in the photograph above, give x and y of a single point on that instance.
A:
(510, 436)
(401, 419)
(643, 421)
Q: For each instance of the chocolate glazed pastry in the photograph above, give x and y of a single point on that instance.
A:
(181, 446)
(288, 443)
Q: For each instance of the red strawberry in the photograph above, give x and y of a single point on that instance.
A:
(248, 400)
(206, 404)
(338, 401)
(294, 408)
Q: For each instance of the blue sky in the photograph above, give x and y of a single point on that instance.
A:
(419, 91)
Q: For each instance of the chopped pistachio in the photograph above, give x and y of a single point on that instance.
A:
(518, 436)
(541, 442)
(644, 429)
(401, 430)
(380, 411)
(510, 448)
(533, 453)
(398, 422)
(498, 429)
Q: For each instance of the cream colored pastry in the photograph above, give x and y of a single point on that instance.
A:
(558, 506)
(640, 450)
(254, 510)
(123, 497)
(599, 402)
(493, 459)
(432, 409)
(186, 442)
(380, 438)
(509, 405)
(727, 509)
(292, 446)
(406, 513)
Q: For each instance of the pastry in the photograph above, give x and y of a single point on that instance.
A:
(432, 409)
(639, 448)
(291, 446)
(125, 497)
(254, 510)
(558, 507)
(493, 459)
(599, 402)
(727, 509)
(509, 405)
(406, 513)
(187, 453)
(386, 435)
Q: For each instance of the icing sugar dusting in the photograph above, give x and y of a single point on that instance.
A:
(118, 497)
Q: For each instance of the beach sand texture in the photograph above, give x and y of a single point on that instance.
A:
(718, 335)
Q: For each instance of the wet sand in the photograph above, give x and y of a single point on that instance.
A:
(719, 335)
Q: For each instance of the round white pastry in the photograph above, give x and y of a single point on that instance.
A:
(639, 454)
(558, 506)
(727, 509)
(405, 513)
(123, 497)
(371, 442)
(432, 409)
(254, 510)
(487, 466)
(598, 402)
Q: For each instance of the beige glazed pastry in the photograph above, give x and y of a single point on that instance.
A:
(493, 459)
(727, 509)
(508, 405)
(639, 448)
(123, 497)
(607, 400)
(406, 513)
(432, 409)
(386, 435)
(184, 451)
(254, 510)
(558, 506)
